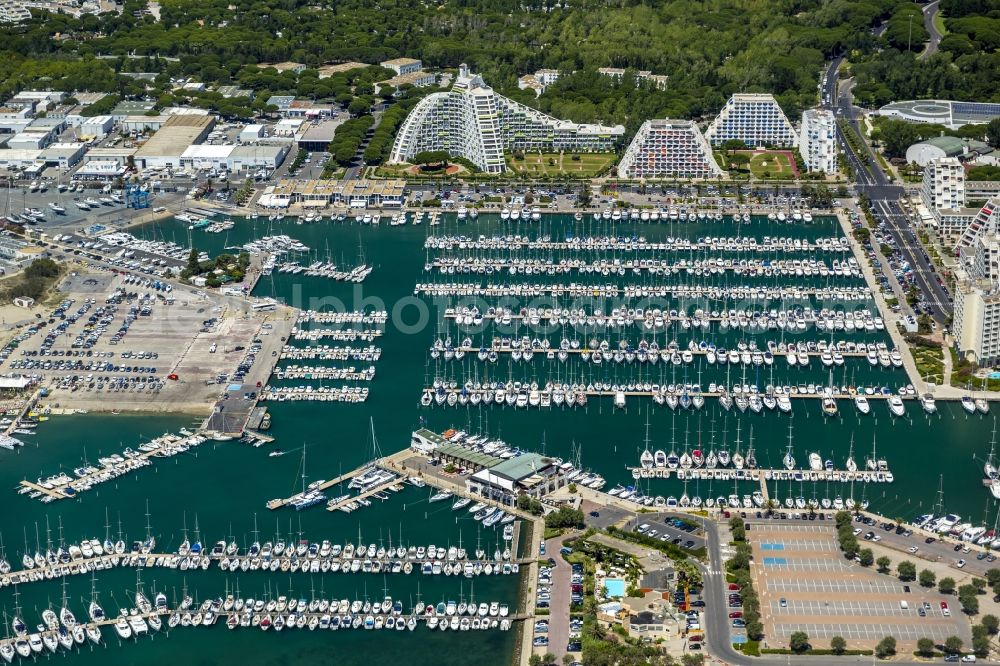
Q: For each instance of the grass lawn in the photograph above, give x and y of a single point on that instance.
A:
(930, 363)
(771, 165)
(554, 164)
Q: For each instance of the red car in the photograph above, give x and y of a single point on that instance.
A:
(735, 614)
(734, 586)
(944, 605)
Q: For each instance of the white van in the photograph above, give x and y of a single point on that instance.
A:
(903, 605)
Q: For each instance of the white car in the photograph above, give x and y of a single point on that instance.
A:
(960, 564)
(913, 549)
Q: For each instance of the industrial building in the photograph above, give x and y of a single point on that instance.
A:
(818, 141)
(474, 122)
(753, 118)
(668, 149)
(167, 145)
(316, 136)
(233, 158)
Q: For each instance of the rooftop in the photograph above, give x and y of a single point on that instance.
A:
(176, 135)
(399, 62)
(521, 467)
(327, 71)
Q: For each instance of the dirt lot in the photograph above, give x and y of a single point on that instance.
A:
(174, 331)
(805, 584)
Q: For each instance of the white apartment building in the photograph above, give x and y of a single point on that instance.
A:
(617, 73)
(943, 184)
(474, 122)
(818, 141)
(669, 149)
(753, 118)
(976, 320)
(403, 65)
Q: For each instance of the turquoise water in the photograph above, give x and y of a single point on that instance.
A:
(225, 485)
(615, 587)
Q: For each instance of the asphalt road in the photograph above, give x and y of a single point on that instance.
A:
(873, 182)
(930, 11)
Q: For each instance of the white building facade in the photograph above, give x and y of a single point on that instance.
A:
(818, 141)
(944, 184)
(976, 321)
(669, 149)
(474, 122)
(753, 118)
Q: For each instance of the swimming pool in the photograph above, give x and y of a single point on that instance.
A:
(614, 587)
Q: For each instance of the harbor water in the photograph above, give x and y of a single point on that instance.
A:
(223, 486)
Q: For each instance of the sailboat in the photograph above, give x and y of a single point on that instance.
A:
(850, 464)
(789, 459)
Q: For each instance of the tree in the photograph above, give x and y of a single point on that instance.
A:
(969, 601)
(358, 106)
(755, 630)
(925, 647)
(953, 645)
(883, 564)
(946, 585)
(907, 570)
(990, 623)
(564, 517)
(867, 557)
(993, 132)
(886, 647)
(799, 642)
(927, 578)
(993, 576)
(838, 644)
(439, 157)
(981, 646)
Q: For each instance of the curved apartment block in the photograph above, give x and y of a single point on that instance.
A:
(474, 122)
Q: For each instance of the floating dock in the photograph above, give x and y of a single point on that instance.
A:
(724, 474)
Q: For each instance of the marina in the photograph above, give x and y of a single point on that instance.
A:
(612, 440)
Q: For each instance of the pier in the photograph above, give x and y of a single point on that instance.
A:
(385, 463)
(882, 475)
(64, 486)
(344, 503)
(551, 352)
(433, 561)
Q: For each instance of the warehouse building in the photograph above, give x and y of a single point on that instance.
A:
(166, 146)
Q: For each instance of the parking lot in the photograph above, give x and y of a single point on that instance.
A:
(150, 350)
(805, 584)
(668, 528)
